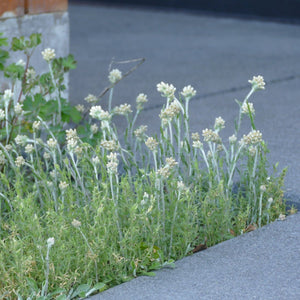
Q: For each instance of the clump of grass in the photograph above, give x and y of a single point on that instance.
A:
(116, 210)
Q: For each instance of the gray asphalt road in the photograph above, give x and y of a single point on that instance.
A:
(217, 56)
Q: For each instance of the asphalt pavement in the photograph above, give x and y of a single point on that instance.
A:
(216, 56)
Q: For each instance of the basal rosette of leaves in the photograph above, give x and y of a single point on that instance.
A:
(82, 211)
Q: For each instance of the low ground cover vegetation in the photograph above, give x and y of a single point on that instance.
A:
(82, 211)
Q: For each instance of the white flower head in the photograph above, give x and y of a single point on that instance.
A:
(166, 90)
(21, 63)
(36, 125)
(20, 161)
(29, 148)
(232, 139)
(219, 123)
(2, 158)
(123, 109)
(48, 54)
(50, 242)
(90, 98)
(46, 155)
(30, 75)
(248, 108)
(94, 128)
(76, 223)
(2, 114)
(96, 160)
(63, 185)
(140, 132)
(80, 108)
(188, 92)
(8, 94)
(114, 76)
(112, 165)
(140, 100)
(151, 143)
(21, 139)
(97, 112)
(18, 109)
(110, 145)
(71, 134)
(211, 136)
(257, 83)
(197, 144)
(52, 143)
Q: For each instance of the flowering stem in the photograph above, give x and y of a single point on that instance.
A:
(110, 99)
(173, 222)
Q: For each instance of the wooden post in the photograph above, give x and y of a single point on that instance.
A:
(11, 8)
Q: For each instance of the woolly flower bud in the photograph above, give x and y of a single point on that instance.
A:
(197, 144)
(2, 114)
(111, 145)
(114, 76)
(90, 98)
(76, 223)
(18, 109)
(140, 132)
(257, 82)
(123, 109)
(48, 54)
(46, 155)
(151, 143)
(253, 137)
(219, 123)
(263, 188)
(63, 185)
(36, 125)
(112, 165)
(97, 112)
(8, 94)
(248, 108)
(29, 148)
(195, 136)
(52, 143)
(188, 92)
(96, 160)
(171, 162)
(210, 136)
(20, 161)
(181, 186)
(71, 144)
(140, 100)
(71, 134)
(2, 158)
(21, 139)
(80, 108)
(21, 63)
(166, 90)
(232, 139)
(164, 172)
(30, 75)
(50, 242)
(94, 128)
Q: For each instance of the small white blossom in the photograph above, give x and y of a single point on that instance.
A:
(195, 136)
(63, 185)
(112, 165)
(257, 82)
(166, 90)
(48, 54)
(20, 161)
(8, 94)
(254, 137)
(71, 134)
(281, 217)
(2, 158)
(71, 144)
(111, 145)
(247, 108)
(80, 108)
(30, 75)
(21, 139)
(123, 109)
(140, 132)
(52, 143)
(21, 63)
(46, 155)
(90, 98)
(188, 92)
(96, 160)
(197, 144)
(2, 114)
(29, 148)
(210, 136)
(50, 242)
(151, 143)
(18, 109)
(114, 76)
(263, 188)
(140, 100)
(76, 223)
(8, 147)
(94, 128)
(232, 139)
(36, 125)
(50, 184)
(97, 112)
(219, 123)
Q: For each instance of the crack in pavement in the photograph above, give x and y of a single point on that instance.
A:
(231, 90)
